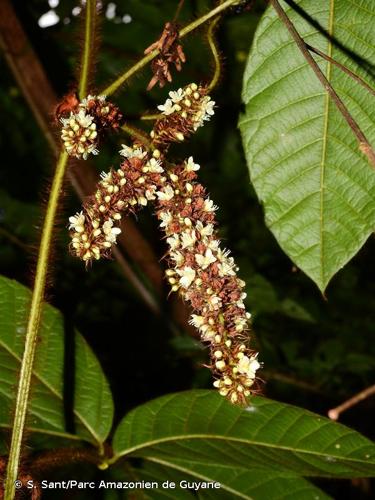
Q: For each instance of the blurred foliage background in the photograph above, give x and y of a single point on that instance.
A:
(317, 351)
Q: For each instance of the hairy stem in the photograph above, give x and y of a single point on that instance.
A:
(136, 133)
(33, 327)
(215, 53)
(364, 145)
(23, 391)
(155, 116)
(185, 31)
(90, 20)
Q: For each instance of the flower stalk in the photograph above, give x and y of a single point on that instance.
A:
(33, 323)
(113, 87)
(32, 330)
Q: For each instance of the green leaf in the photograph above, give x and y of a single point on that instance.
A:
(235, 482)
(317, 188)
(201, 427)
(93, 405)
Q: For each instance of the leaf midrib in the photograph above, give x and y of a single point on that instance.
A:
(324, 145)
(54, 392)
(238, 440)
(180, 468)
(50, 388)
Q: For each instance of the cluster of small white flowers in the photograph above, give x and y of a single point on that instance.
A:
(86, 100)
(182, 99)
(205, 112)
(110, 232)
(94, 231)
(79, 134)
(172, 104)
(77, 222)
(81, 240)
(79, 131)
(196, 259)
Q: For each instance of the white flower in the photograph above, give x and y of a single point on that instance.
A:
(91, 149)
(208, 107)
(204, 230)
(199, 323)
(177, 95)
(214, 301)
(166, 218)
(214, 245)
(187, 276)
(209, 206)
(226, 268)
(240, 323)
(205, 112)
(77, 222)
(142, 201)
(208, 334)
(165, 195)
(188, 238)
(85, 101)
(173, 241)
(196, 321)
(85, 120)
(178, 258)
(89, 98)
(154, 166)
(167, 108)
(150, 193)
(110, 231)
(129, 152)
(106, 176)
(191, 166)
(223, 255)
(248, 366)
(205, 260)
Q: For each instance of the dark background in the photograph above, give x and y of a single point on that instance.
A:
(317, 351)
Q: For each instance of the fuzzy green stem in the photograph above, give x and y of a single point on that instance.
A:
(185, 31)
(33, 327)
(136, 133)
(88, 47)
(33, 323)
(215, 54)
(155, 116)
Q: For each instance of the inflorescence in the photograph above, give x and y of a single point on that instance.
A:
(84, 122)
(183, 113)
(203, 273)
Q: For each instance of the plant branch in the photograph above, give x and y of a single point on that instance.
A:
(23, 390)
(185, 31)
(364, 145)
(334, 413)
(136, 133)
(215, 53)
(37, 90)
(343, 68)
(155, 116)
(90, 20)
(37, 298)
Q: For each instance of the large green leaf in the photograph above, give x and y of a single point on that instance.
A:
(318, 190)
(203, 429)
(93, 406)
(235, 482)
